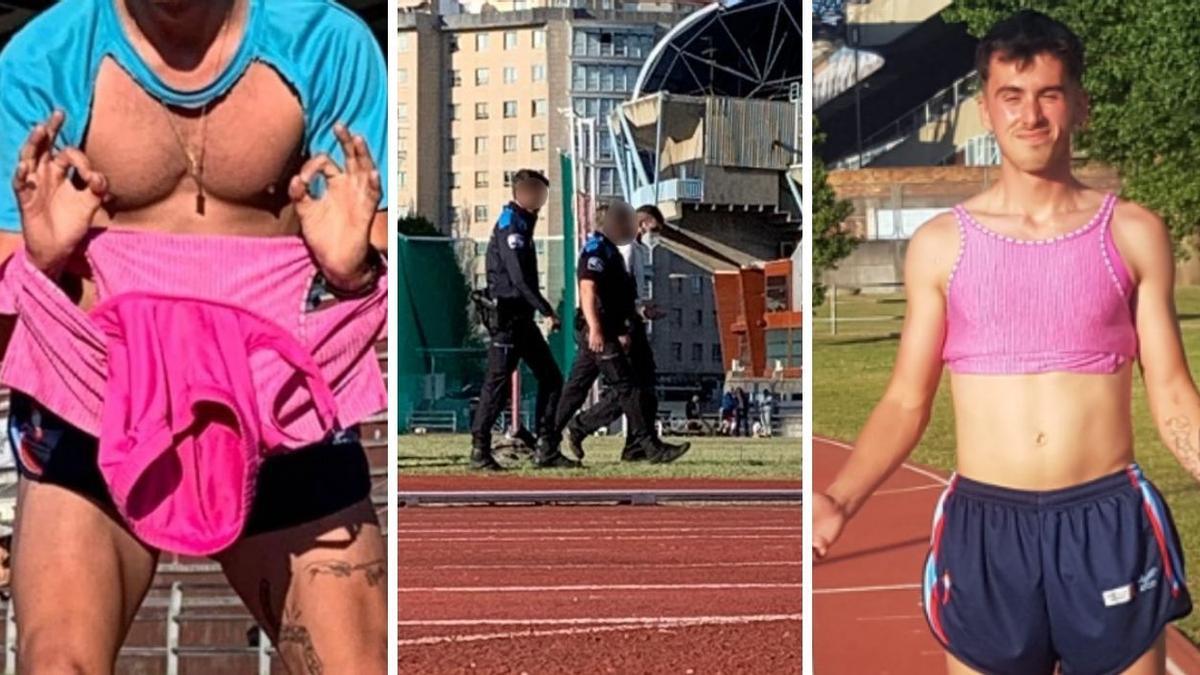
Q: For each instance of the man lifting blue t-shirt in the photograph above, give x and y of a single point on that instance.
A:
(202, 117)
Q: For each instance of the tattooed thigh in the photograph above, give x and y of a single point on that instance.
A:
(373, 572)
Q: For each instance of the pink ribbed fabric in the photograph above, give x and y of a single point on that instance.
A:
(1032, 306)
(199, 359)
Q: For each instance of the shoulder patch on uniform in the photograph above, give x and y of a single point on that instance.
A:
(506, 219)
(516, 241)
(595, 264)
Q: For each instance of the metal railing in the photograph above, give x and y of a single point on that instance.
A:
(671, 190)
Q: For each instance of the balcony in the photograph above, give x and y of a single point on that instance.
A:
(671, 190)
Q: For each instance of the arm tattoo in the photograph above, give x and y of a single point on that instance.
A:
(375, 571)
(294, 633)
(1181, 431)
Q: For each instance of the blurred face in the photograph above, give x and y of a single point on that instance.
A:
(1033, 110)
(532, 195)
(620, 225)
(646, 223)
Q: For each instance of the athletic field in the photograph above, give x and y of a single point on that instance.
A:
(850, 371)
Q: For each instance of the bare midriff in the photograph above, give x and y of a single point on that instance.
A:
(1042, 431)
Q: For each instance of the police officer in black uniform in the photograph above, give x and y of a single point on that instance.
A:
(512, 278)
(603, 330)
(641, 357)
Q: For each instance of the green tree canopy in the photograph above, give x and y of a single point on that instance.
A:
(1141, 75)
(417, 226)
(831, 243)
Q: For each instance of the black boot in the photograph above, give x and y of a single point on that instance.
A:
(665, 453)
(548, 456)
(482, 460)
(634, 453)
(525, 437)
(575, 441)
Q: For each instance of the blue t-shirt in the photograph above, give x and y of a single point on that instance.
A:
(324, 52)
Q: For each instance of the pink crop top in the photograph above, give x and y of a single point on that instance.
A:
(1032, 306)
(199, 361)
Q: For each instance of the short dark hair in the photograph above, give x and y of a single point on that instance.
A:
(1025, 35)
(654, 212)
(526, 175)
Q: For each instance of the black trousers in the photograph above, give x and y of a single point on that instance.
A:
(518, 340)
(608, 408)
(616, 370)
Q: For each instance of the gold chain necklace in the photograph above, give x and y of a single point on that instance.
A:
(196, 159)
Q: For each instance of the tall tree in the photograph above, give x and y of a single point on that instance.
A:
(1141, 75)
(831, 242)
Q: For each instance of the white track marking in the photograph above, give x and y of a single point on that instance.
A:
(865, 589)
(608, 538)
(509, 530)
(590, 621)
(596, 587)
(905, 490)
(624, 566)
(632, 624)
(915, 469)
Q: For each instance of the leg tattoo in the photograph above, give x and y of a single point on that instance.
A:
(294, 633)
(375, 571)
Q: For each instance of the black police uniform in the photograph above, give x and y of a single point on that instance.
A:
(601, 262)
(512, 278)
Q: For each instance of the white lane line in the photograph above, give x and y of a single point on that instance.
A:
(905, 490)
(565, 530)
(623, 566)
(597, 587)
(865, 589)
(633, 625)
(588, 621)
(915, 469)
(407, 540)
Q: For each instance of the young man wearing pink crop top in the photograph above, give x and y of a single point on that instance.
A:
(214, 120)
(1049, 549)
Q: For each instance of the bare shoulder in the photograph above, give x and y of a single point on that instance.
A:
(933, 249)
(1141, 237)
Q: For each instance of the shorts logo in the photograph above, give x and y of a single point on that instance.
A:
(516, 241)
(1118, 596)
(595, 264)
(1148, 581)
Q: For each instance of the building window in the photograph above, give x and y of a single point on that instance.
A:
(539, 38)
(481, 145)
(510, 145)
(539, 107)
(453, 43)
(402, 42)
(677, 351)
(481, 179)
(452, 214)
(508, 175)
(455, 111)
(538, 142)
(677, 285)
(510, 109)
(539, 73)
(481, 214)
(510, 75)
(455, 78)
(402, 75)
(481, 112)
(481, 42)
(697, 285)
(699, 317)
(402, 179)
(455, 144)
(455, 181)
(510, 39)
(608, 180)
(716, 353)
(697, 352)
(402, 111)
(777, 293)
(677, 317)
(481, 76)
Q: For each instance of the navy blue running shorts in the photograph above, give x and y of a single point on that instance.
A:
(1086, 578)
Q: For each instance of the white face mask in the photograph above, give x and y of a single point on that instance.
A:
(650, 239)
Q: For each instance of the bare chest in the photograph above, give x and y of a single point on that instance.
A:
(245, 147)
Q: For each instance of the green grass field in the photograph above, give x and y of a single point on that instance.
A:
(766, 458)
(851, 369)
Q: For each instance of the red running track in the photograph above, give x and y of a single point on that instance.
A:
(600, 589)
(867, 592)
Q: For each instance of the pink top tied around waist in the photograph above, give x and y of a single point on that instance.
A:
(198, 361)
(1031, 306)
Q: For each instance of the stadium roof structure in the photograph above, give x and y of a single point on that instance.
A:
(735, 48)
